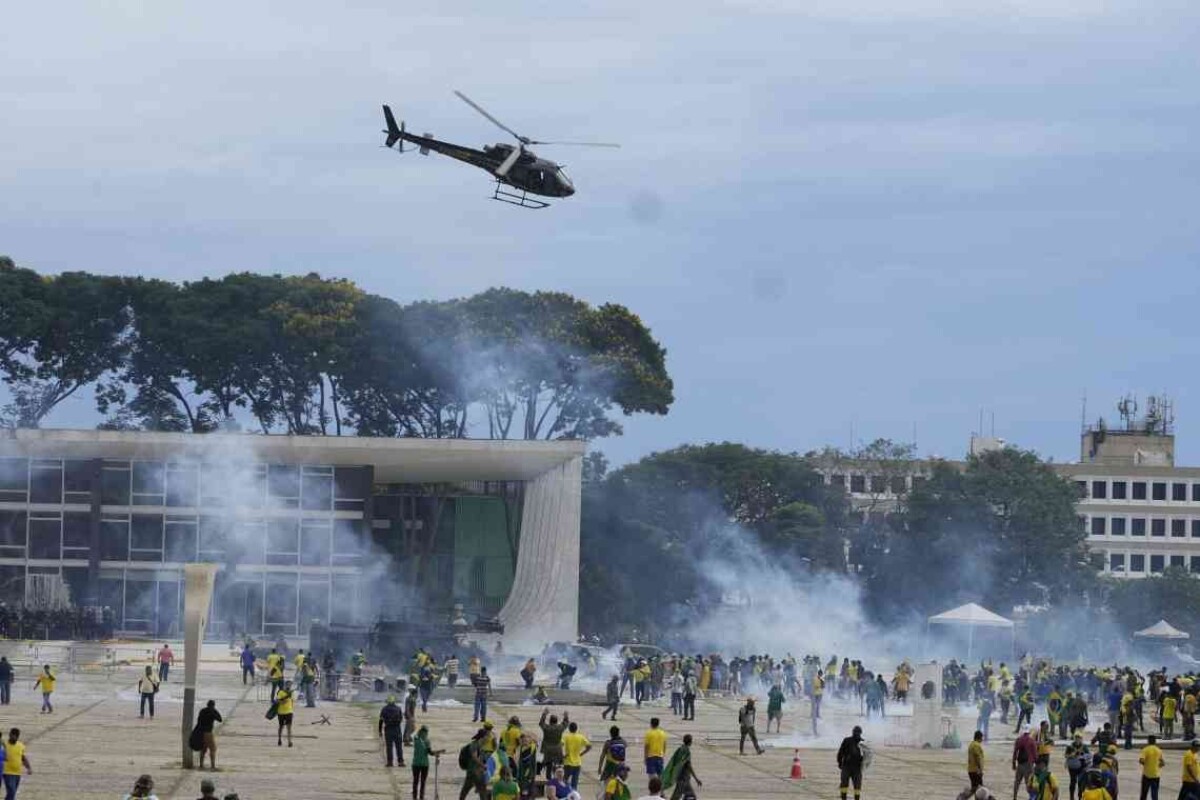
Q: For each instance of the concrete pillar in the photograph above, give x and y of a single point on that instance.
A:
(198, 591)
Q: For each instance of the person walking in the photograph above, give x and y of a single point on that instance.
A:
(483, 688)
(285, 706)
(775, 701)
(247, 661)
(46, 682)
(422, 750)
(612, 694)
(166, 659)
(575, 747)
(391, 721)
(552, 740)
(14, 760)
(680, 773)
(676, 683)
(1189, 788)
(850, 762)
(612, 754)
(6, 680)
(1077, 759)
(473, 762)
(147, 687)
(746, 720)
(1042, 784)
(975, 760)
(410, 715)
(1152, 763)
(689, 697)
(655, 749)
(206, 723)
(451, 670)
(1024, 756)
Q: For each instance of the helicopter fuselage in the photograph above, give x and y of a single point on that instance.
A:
(528, 173)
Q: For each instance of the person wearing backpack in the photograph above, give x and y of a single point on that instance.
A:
(147, 687)
(612, 755)
(473, 762)
(1023, 757)
(1077, 759)
(850, 762)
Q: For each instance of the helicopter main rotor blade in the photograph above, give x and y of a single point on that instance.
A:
(578, 144)
(493, 120)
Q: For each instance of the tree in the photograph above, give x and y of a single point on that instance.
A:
(546, 365)
(1175, 595)
(1002, 531)
(79, 336)
(647, 529)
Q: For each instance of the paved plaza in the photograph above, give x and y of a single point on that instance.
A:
(94, 746)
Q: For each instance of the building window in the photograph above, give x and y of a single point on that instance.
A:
(1100, 490)
(1179, 527)
(1177, 561)
(1137, 563)
(1116, 562)
(114, 485)
(858, 484)
(838, 481)
(146, 538)
(1139, 490)
(77, 482)
(1179, 492)
(283, 482)
(1138, 526)
(1081, 487)
(45, 536)
(898, 485)
(316, 488)
(1158, 527)
(283, 545)
(180, 539)
(183, 485)
(1157, 563)
(214, 535)
(114, 538)
(149, 485)
(1160, 490)
(14, 480)
(45, 482)
(315, 542)
(77, 535)
(1195, 563)
(1196, 492)
(1098, 526)
(1117, 528)
(1196, 528)
(1118, 490)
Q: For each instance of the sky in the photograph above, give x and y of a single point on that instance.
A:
(844, 219)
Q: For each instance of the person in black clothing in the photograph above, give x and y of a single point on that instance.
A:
(391, 728)
(6, 679)
(206, 720)
(850, 762)
(613, 696)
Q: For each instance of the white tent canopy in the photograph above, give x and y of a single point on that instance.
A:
(1162, 630)
(972, 615)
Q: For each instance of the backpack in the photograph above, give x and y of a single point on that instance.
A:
(864, 751)
(616, 751)
(464, 757)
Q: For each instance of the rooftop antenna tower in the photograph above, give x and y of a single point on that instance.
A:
(1127, 407)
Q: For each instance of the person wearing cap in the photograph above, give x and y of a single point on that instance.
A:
(488, 743)
(476, 768)
(391, 720)
(1024, 756)
(746, 720)
(850, 763)
(1152, 763)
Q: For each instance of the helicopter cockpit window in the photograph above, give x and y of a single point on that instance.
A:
(564, 180)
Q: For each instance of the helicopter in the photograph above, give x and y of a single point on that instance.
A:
(518, 171)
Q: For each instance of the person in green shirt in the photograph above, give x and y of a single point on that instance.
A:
(506, 788)
(422, 750)
(775, 708)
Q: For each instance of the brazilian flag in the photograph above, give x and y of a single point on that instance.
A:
(674, 768)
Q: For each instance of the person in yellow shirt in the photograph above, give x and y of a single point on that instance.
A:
(45, 682)
(1190, 790)
(1152, 763)
(285, 706)
(14, 760)
(617, 788)
(655, 749)
(575, 747)
(1169, 706)
(1041, 784)
(975, 759)
(511, 738)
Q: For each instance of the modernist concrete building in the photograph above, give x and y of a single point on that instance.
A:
(304, 528)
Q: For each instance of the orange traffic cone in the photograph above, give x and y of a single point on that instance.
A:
(797, 770)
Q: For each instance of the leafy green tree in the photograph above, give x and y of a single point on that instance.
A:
(1003, 531)
(1174, 595)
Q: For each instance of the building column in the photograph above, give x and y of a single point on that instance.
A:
(95, 483)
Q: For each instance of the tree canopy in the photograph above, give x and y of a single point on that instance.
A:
(310, 355)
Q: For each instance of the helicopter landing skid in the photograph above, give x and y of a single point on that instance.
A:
(507, 195)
